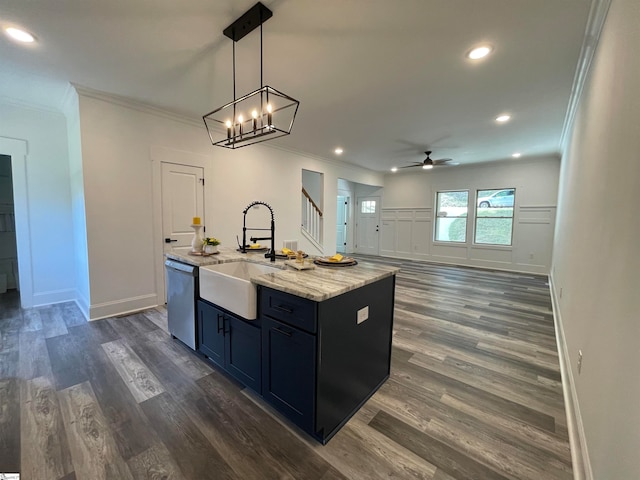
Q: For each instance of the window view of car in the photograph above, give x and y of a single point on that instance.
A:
(496, 198)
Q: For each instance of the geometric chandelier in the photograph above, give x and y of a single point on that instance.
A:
(261, 115)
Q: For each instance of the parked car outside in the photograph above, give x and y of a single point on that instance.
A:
(499, 198)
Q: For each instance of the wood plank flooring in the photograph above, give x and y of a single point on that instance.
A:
(475, 393)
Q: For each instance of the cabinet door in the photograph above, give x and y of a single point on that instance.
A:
(243, 352)
(288, 371)
(211, 331)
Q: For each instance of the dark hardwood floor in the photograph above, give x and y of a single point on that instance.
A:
(474, 393)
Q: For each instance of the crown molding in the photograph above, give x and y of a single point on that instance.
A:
(595, 23)
(197, 122)
(143, 107)
(36, 107)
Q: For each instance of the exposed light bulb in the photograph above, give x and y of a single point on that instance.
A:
(254, 113)
(338, 151)
(228, 124)
(269, 115)
(240, 119)
(19, 35)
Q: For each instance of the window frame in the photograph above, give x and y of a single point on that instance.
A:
(437, 217)
(476, 217)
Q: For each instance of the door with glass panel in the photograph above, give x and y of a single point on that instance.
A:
(368, 225)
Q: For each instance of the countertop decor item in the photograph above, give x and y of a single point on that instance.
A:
(330, 262)
(198, 241)
(261, 115)
(211, 245)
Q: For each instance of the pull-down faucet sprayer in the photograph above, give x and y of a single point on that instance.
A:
(272, 253)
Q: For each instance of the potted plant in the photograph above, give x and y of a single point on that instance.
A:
(211, 245)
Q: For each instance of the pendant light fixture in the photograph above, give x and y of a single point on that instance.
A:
(261, 115)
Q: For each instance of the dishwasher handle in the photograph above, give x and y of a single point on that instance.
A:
(181, 267)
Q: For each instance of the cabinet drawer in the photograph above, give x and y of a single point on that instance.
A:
(295, 311)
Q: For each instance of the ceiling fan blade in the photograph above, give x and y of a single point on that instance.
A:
(412, 166)
(453, 164)
(442, 161)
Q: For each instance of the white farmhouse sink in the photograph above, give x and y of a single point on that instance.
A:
(229, 286)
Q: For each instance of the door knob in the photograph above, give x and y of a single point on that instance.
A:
(169, 240)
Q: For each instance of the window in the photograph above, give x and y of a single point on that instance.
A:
(368, 206)
(494, 216)
(451, 216)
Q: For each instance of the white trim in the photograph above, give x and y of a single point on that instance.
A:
(122, 307)
(17, 149)
(54, 296)
(577, 438)
(139, 106)
(83, 304)
(595, 23)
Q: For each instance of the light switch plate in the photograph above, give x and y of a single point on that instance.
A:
(363, 314)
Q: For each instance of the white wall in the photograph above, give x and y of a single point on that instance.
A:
(596, 261)
(123, 245)
(78, 213)
(48, 225)
(408, 214)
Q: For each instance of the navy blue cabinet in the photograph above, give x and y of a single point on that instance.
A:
(288, 371)
(321, 361)
(231, 343)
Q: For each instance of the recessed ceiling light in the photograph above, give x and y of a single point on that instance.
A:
(338, 151)
(394, 169)
(503, 118)
(516, 155)
(19, 35)
(479, 52)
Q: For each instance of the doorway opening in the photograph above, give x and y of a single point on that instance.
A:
(342, 223)
(9, 285)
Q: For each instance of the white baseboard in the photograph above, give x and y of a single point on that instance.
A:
(463, 262)
(83, 304)
(53, 296)
(577, 438)
(121, 307)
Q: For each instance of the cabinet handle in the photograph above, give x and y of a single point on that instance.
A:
(288, 334)
(283, 309)
(221, 328)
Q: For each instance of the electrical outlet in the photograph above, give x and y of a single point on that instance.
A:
(579, 361)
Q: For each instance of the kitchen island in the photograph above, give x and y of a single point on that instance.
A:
(320, 346)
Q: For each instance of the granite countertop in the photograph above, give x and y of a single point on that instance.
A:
(318, 284)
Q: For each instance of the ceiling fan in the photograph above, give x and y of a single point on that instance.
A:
(428, 163)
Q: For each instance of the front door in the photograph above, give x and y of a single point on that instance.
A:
(368, 225)
(182, 199)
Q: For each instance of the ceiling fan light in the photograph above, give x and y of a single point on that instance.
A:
(479, 52)
(503, 118)
(19, 35)
(516, 155)
(394, 169)
(427, 167)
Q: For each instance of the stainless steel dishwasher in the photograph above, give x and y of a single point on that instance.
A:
(182, 293)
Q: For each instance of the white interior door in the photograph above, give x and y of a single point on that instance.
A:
(367, 225)
(341, 224)
(182, 199)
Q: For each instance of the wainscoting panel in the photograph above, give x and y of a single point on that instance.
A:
(408, 233)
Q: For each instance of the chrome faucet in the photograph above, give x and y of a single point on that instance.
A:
(272, 253)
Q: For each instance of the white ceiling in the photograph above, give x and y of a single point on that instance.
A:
(383, 79)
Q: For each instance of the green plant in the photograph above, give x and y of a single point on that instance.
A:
(211, 241)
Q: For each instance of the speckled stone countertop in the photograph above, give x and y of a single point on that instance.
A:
(318, 284)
